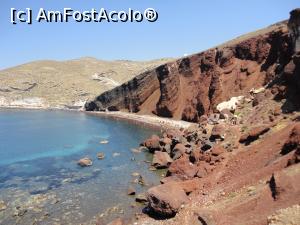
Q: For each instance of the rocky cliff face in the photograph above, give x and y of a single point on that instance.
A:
(294, 28)
(191, 87)
(291, 71)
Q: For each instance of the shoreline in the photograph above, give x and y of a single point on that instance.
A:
(148, 120)
(145, 120)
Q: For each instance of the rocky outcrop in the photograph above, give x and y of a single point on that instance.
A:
(294, 28)
(161, 160)
(129, 96)
(84, 162)
(166, 199)
(192, 86)
(253, 134)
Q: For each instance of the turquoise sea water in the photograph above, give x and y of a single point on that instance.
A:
(39, 173)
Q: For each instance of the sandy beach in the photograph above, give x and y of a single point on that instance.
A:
(148, 120)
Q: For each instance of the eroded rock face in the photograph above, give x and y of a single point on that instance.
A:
(253, 134)
(166, 199)
(293, 144)
(294, 28)
(193, 86)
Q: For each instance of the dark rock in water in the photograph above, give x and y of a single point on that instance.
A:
(141, 180)
(166, 199)
(100, 155)
(84, 162)
(161, 160)
(141, 198)
(152, 143)
(131, 191)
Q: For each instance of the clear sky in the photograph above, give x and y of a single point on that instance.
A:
(183, 27)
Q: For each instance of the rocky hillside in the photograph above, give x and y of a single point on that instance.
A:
(193, 86)
(239, 164)
(65, 84)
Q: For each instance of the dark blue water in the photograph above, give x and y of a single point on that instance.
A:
(39, 174)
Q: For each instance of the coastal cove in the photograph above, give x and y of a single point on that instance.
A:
(40, 178)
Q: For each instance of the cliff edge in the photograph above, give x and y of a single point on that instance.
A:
(193, 86)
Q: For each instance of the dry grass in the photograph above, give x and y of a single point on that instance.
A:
(67, 82)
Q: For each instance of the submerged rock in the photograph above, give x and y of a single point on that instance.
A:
(253, 134)
(2, 206)
(131, 191)
(116, 154)
(135, 174)
(100, 155)
(85, 162)
(141, 198)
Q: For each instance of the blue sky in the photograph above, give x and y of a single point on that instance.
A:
(183, 27)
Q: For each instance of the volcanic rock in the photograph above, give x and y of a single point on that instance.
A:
(166, 199)
(84, 162)
(161, 160)
(182, 168)
(193, 86)
(100, 155)
(178, 151)
(141, 198)
(218, 132)
(253, 134)
(131, 191)
(152, 143)
(294, 28)
(294, 140)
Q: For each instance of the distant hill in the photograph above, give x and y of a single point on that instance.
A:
(66, 83)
